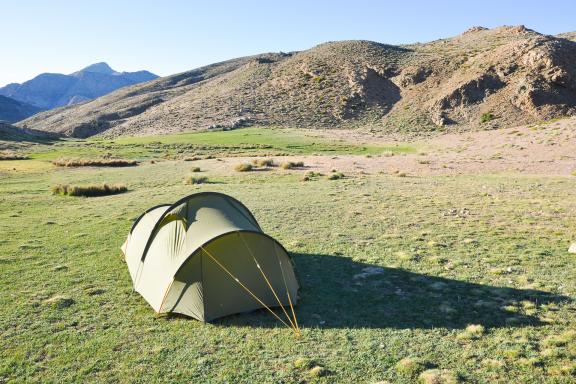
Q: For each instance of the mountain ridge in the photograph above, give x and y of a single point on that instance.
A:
(480, 79)
(53, 90)
(12, 110)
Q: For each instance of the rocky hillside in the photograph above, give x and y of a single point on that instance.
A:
(51, 90)
(13, 110)
(481, 79)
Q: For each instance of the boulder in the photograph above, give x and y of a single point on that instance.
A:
(572, 248)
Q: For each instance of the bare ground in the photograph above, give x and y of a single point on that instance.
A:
(545, 149)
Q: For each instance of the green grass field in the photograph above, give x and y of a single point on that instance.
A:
(241, 142)
(392, 272)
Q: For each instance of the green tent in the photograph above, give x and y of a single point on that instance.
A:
(205, 256)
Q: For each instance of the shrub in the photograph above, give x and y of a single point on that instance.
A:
(292, 164)
(12, 156)
(196, 180)
(409, 367)
(263, 162)
(196, 169)
(310, 175)
(438, 376)
(486, 117)
(335, 176)
(573, 173)
(244, 167)
(472, 332)
(89, 190)
(65, 162)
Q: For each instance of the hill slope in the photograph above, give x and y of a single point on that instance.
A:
(12, 110)
(479, 79)
(51, 90)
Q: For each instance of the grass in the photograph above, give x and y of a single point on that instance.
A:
(486, 117)
(12, 156)
(292, 164)
(243, 167)
(92, 190)
(263, 163)
(335, 176)
(66, 162)
(68, 312)
(196, 180)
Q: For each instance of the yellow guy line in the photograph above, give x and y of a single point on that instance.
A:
(267, 281)
(243, 286)
(287, 290)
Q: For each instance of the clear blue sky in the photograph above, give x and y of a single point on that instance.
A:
(168, 36)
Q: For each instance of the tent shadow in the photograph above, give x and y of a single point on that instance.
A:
(337, 292)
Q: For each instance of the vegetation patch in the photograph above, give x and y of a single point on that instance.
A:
(472, 332)
(196, 169)
(67, 162)
(335, 176)
(486, 117)
(292, 164)
(244, 167)
(196, 180)
(12, 156)
(263, 163)
(410, 367)
(438, 376)
(93, 190)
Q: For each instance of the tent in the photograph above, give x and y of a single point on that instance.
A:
(205, 256)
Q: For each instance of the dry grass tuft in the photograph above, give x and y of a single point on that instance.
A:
(196, 180)
(89, 190)
(317, 371)
(66, 162)
(12, 156)
(244, 167)
(263, 162)
(335, 176)
(409, 367)
(59, 302)
(438, 376)
(472, 332)
(292, 164)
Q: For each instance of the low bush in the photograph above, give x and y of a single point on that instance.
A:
(89, 190)
(12, 156)
(263, 162)
(196, 180)
(292, 164)
(65, 162)
(196, 169)
(486, 117)
(335, 176)
(244, 167)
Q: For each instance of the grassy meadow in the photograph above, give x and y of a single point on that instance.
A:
(460, 278)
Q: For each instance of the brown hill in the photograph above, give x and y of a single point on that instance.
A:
(480, 79)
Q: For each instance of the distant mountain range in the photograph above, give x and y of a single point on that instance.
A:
(52, 90)
(480, 79)
(12, 110)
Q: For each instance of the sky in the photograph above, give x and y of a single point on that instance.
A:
(168, 36)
